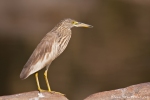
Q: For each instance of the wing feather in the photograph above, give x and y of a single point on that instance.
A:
(40, 54)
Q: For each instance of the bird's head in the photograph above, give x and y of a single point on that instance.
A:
(69, 23)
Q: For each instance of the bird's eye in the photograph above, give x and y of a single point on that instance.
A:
(74, 22)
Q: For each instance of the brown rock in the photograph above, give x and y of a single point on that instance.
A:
(34, 95)
(134, 92)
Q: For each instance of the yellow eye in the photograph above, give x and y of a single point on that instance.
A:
(74, 22)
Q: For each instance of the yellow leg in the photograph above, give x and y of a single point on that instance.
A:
(47, 83)
(46, 79)
(37, 81)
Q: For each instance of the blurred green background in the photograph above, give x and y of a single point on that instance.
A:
(114, 54)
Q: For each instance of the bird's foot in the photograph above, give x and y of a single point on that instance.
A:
(56, 92)
(41, 90)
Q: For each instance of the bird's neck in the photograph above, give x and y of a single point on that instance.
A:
(64, 30)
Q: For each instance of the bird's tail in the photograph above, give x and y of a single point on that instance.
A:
(24, 73)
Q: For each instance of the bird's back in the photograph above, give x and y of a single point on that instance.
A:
(39, 57)
(50, 47)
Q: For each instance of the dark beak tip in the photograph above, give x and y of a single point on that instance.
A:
(90, 26)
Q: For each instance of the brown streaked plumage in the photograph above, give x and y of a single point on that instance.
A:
(50, 47)
(38, 55)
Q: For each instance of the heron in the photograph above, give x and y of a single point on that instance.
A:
(49, 48)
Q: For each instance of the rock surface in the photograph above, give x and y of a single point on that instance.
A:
(34, 95)
(134, 92)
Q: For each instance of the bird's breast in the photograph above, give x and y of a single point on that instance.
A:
(61, 44)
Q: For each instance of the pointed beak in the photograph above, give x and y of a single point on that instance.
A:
(83, 25)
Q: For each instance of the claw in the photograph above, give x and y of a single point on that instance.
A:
(52, 92)
(41, 90)
(56, 92)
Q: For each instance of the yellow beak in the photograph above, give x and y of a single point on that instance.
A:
(83, 25)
